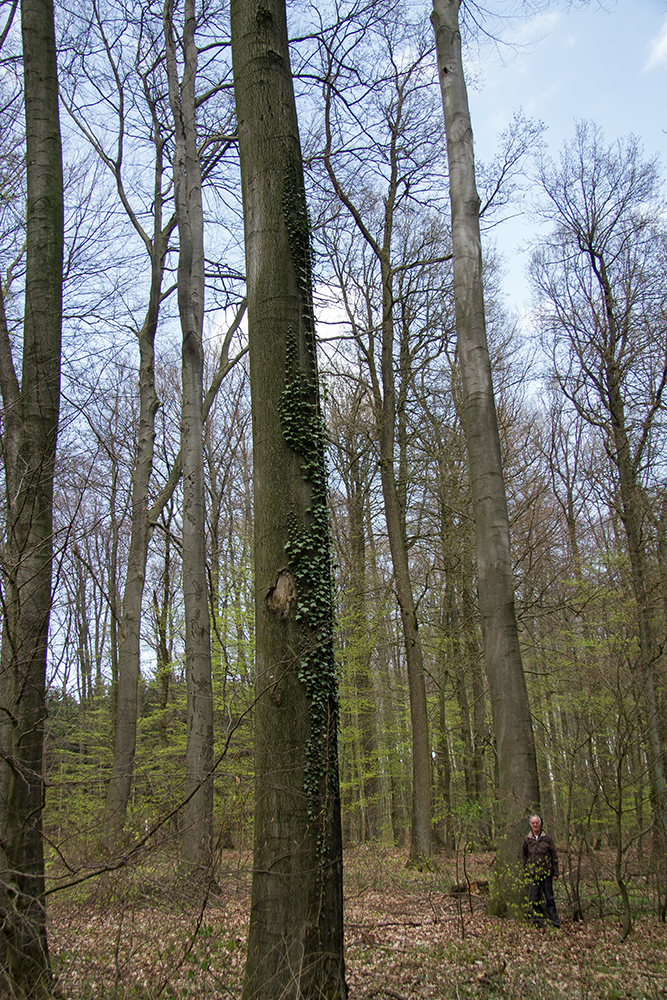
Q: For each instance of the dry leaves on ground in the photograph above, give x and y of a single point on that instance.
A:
(408, 937)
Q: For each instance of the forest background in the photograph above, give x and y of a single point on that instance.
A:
(583, 455)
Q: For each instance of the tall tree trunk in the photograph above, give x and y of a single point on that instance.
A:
(198, 810)
(31, 423)
(295, 944)
(420, 840)
(517, 764)
(631, 514)
(393, 492)
(360, 652)
(126, 637)
(443, 759)
(388, 715)
(125, 736)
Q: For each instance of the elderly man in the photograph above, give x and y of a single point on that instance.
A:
(540, 864)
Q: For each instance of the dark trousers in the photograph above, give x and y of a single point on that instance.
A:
(537, 889)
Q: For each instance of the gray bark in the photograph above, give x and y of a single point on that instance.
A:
(31, 422)
(198, 809)
(518, 779)
(126, 616)
(420, 840)
(125, 736)
(360, 651)
(295, 943)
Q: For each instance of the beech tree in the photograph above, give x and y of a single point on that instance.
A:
(352, 457)
(84, 76)
(518, 789)
(600, 280)
(198, 811)
(31, 407)
(378, 179)
(295, 943)
(125, 48)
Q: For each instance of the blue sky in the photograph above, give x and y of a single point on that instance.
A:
(602, 61)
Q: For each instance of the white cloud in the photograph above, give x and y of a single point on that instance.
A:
(658, 48)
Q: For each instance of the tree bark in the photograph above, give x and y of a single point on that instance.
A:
(198, 809)
(31, 424)
(518, 779)
(125, 736)
(420, 840)
(295, 944)
(360, 650)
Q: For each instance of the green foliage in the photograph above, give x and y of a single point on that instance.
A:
(308, 554)
(77, 756)
(308, 545)
(295, 209)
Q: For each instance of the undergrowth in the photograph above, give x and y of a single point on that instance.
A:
(410, 935)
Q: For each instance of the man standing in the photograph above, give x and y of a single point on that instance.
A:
(540, 864)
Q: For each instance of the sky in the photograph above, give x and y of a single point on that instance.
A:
(604, 61)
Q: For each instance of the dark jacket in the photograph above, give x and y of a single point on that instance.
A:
(539, 857)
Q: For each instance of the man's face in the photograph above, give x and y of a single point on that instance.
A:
(535, 825)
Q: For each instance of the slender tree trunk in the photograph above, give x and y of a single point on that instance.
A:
(127, 668)
(662, 551)
(461, 690)
(31, 423)
(393, 493)
(420, 840)
(198, 810)
(388, 725)
(295, 943)
(363, 683)
(631, 515)
(114, 603)
(162, 612)
(518, 780)
(125, 736)
(444, 764)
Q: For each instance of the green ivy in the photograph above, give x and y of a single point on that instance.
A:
(308, 545)
(308, 555)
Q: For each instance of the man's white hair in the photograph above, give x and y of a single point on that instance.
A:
(535, 816)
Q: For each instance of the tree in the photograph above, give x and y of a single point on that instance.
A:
(379, 176)
(295, 943)
(600, 281)
(29, 447)
(83, 80)
(518, 789)
(198, 811)
(353, 463)
(125, 48)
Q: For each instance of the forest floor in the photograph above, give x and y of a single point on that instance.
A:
(409, 935)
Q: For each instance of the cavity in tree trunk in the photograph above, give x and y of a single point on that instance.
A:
(517, 766)
(29, 446)
(295, 943)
